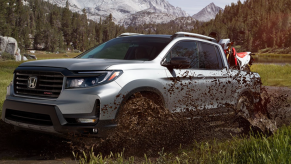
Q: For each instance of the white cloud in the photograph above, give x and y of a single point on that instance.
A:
(194, 6)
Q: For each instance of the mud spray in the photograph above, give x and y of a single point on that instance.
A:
(146, 127)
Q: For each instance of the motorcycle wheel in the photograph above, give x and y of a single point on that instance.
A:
(247, 69)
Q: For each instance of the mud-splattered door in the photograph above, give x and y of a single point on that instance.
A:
(185, 85)
(216, 75)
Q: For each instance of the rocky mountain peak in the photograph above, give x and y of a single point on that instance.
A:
(122, 10)
(207, 13)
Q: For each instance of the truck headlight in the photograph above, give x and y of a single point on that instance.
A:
(92, 78)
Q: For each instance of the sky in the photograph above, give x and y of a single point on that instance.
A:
(194, 6)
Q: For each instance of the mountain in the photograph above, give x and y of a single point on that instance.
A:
(124, 11)
(207, 13)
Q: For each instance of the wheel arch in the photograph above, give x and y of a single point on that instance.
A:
(248, 93)
(141, 89)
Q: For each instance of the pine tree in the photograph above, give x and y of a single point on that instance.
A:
(66, 24)
(3, 19)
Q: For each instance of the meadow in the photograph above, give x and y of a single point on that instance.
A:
(257, 149)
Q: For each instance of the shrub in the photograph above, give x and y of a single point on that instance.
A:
(62, 51)
(7, 56)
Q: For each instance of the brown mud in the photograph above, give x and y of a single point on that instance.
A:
(148, 131)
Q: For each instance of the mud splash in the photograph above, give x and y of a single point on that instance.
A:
(146, 128)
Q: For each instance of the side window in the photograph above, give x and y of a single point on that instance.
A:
(209, 59)
(219, 57)
(187, 49)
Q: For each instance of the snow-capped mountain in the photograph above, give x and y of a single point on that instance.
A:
(143, 11)
(207, 13)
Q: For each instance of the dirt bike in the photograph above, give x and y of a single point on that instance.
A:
(241, 60)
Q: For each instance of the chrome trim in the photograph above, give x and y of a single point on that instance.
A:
(39, 98)
(94, 72)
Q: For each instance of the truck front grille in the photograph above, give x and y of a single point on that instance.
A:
(29, 118)
(48, 84)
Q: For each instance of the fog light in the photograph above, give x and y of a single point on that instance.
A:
(86, 120)
(95, 130)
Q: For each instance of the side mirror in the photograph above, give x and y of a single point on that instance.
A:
(179, 62)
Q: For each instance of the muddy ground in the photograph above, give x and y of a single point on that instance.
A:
(32, 147)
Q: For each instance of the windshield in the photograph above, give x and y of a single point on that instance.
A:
(128, 48)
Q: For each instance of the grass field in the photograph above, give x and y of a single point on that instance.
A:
(274, 75)
(272, 55)
(256, 149)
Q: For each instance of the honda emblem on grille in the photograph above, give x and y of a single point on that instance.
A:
(32, 82)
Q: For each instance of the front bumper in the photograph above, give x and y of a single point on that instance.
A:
(48, 118)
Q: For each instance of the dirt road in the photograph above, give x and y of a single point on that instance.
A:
(32, 147)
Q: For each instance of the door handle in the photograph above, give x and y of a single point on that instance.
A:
(225, 75)
(200, 76)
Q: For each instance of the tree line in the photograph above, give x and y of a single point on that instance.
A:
(38, 24)
(254, 24)
(266, 23)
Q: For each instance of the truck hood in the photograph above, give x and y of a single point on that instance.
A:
(79, 64)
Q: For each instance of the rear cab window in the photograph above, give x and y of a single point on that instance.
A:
(209, 56)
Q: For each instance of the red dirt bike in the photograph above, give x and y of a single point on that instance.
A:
(241, 60)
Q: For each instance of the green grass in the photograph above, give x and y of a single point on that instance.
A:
(42, 56)
(274, 75)
(6, 74)
(272, 55)
(276, 50)
(255, 149)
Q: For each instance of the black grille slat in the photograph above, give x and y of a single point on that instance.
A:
(21, 79)
(39, 90)
(29, 118)
(49, 84)
(21, 83)
(37, 95)
(52, 81)
(55, 86)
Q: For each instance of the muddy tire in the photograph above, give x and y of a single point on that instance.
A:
(137, 111)
(245, 111)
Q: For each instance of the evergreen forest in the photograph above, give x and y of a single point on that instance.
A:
(41, 25)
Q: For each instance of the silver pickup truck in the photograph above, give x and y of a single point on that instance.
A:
(84, 95)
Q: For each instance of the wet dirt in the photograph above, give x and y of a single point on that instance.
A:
(145, 132)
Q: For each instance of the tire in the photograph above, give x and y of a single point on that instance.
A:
(138, 110)
(245, 106)
(245, 111)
